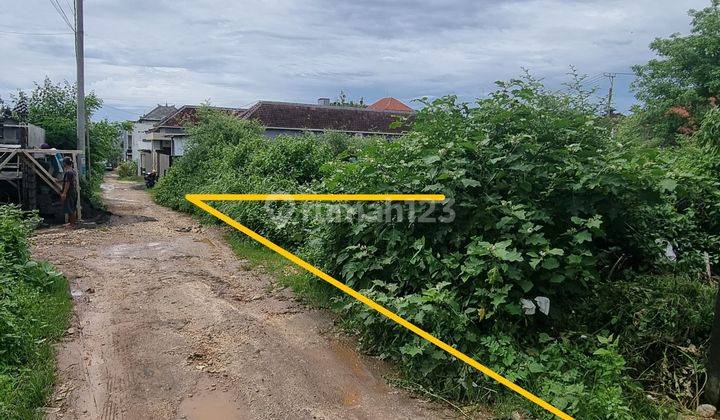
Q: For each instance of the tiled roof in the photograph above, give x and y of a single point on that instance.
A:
(390, 104)
(159, 112)
(188, 114)
(286, 115)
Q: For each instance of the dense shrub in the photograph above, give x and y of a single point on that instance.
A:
(662, 322)
(544, 201)
(228, 155)
(34, 308)
(127, 169)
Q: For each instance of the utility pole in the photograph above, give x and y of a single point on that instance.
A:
(80, 63)
(610, 76)
(712, 387)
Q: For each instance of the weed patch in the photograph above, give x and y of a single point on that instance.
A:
(34, 311)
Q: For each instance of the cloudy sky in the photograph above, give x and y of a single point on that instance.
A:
(234, 52)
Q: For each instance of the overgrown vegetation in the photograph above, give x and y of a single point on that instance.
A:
(128, 169)
(34, 311)
(609, 221)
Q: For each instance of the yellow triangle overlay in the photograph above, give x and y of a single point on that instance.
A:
(200, 201)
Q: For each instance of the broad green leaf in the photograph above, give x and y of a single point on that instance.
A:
(668, 185)
(526, 285)
(551, 263)
(431, 159)
(467, 182)
(583, 236)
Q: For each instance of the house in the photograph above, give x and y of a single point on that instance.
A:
(286, 118)
(141, 151)
(168, 136)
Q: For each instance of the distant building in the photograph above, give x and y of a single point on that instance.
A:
(165, 139)
(125, 140)
(294, 118)
(141, 151)
(168, 136)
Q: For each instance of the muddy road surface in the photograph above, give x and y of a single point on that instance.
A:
(169, 325)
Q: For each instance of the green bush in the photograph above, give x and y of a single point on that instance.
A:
(34, 310)
(662, 322)
(127, 170)
(228, 155)
(544, 201)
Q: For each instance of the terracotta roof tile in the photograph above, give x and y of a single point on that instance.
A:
(390, 104)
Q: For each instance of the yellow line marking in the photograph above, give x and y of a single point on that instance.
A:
(315, 197)
(199, 201)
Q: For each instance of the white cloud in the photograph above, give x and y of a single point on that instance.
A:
(144, 52)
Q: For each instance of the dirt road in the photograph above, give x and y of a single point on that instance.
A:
(168, 324)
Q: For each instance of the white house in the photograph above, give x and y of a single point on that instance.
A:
(141, 144)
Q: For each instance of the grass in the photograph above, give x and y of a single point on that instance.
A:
(310, 288)
(35, 317)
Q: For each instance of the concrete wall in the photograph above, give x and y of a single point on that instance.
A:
(138, 134)
(12, 133)
(124, 139)
(36, 136)
(144, 162)
(178, 146)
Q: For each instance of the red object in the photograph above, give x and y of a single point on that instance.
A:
(390, 104)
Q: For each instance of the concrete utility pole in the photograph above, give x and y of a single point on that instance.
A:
(712, 387)
(80, 63)
(610, 76)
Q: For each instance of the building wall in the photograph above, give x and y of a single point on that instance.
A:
(178, 146)
(144, 162)
(138, 134)
(36, 136)
(12, 132)
(273, 132)
(124, 140)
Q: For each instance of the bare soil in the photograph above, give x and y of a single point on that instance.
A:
(169, 324)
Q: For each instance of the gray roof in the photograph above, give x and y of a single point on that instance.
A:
(158, 113)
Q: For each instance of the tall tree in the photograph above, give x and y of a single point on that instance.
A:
(679, 86)
(53, 107)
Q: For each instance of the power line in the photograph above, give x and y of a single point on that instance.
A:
(121, 110)
(594, 79)
(63, 15)
(36, 33)
(71, 6)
